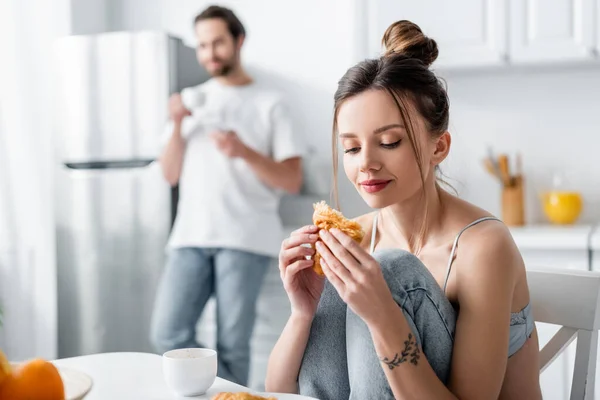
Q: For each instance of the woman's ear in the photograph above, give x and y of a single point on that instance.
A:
(442, 148)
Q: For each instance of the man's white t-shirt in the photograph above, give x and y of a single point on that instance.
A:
(222, 203)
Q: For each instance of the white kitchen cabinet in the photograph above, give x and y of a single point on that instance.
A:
(547, 246)
(557, 30)
(469, 33)
(557, 247)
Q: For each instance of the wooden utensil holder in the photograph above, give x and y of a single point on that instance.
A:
(513, 203)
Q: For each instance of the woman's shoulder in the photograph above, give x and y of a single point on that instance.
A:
(486, 233)
(480, 227)
(486, 242)
(488, 248)
(473, 223)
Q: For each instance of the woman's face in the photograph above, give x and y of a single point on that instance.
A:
(378, 157)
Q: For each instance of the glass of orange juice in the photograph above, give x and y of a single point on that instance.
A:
(561, 204)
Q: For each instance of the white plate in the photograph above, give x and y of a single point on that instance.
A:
(77, 384)
(286, 396)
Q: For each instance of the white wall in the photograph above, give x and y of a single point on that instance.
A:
(548, 114)
(89, 16)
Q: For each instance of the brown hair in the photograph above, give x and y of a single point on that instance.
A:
(234, 25)
(403, 72)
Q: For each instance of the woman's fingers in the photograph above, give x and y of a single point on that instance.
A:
(339, 251)
(351, 246)
(332, 277)
(305, 229)
(295, 248)
(295, 253)
(298, 266)
(299, 239)
(333, 263)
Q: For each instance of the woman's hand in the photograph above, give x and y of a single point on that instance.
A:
(300, 281)
(356, 276)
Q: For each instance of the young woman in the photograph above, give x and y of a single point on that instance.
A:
(434, 303)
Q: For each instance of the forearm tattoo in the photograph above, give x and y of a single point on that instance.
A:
(411, 353)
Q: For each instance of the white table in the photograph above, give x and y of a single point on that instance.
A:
(133, 376)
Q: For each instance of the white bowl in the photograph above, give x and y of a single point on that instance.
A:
(190, 372)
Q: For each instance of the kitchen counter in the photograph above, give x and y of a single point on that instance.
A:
(553, 237)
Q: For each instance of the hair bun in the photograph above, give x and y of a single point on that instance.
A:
(405, 37)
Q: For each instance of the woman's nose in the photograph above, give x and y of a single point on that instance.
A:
(368, 161)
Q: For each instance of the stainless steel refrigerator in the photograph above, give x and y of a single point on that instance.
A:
(114, 210)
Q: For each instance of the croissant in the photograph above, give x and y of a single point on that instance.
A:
(325, 217)
(239, 396)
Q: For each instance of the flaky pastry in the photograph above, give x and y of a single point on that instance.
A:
(326, 217)
(240, 396)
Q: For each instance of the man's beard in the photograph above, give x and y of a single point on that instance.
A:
(225, 70)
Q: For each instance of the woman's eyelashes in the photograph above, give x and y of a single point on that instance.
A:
(389, 146)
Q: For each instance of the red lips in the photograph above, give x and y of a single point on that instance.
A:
(374, 185)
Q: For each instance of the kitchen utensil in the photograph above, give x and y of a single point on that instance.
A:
(490, 168)
(504, 169)
(513, 208)
(513, 203)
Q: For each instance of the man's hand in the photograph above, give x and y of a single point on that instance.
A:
(286, 174)
(177, 110)
(229, 144)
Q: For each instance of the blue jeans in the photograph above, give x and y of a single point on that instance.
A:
(191, 276)
(340, 361)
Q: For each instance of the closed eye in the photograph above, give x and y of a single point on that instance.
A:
(352, 150)
(391, 145)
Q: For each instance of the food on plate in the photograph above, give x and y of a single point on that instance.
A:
(240, 396)
(325, 217)
(35, 379)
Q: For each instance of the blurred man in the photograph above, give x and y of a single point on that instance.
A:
(232, 150)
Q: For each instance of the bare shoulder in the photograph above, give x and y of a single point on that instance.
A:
(486, 245)
(488, 252)
(488, 239)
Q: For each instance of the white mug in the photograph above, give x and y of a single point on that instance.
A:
(190, 372)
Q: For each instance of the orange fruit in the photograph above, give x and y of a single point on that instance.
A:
(36, 379)
(5, 368)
